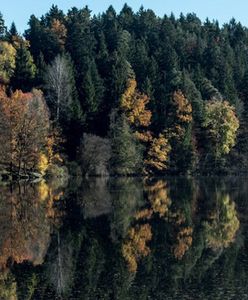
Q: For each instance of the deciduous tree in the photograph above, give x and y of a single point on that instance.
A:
(7, 61)
(222, 124)
(62, 94)
(27, 119)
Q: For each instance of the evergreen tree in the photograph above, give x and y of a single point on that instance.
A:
(110, 27)
(25, 69)
(126, 152)
(168, 54)
(12, 32)
(34, 36)
(54, 14)
(92, 91)
(2, 27)
(126, 18)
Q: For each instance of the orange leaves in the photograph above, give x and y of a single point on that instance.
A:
(135, 247)
(144, 214)
(134, 105)
(60, 31)
(159, 198)
(143, 136)
(183, 117)
(184, 241)
(27, 221)
(158, 154)
(127, 97)
(183, 107)
(24, 127)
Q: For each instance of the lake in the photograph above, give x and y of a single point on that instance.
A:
(125, 238)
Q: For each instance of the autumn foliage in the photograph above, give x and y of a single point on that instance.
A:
(135, 246)
(183, 107)
(222, 224)
(60, 31)
(158, 154)
(24, 129)
(222, 124)
(184, 242)
(158, 197)
(134, 105)
(27, 222)
(7, 61)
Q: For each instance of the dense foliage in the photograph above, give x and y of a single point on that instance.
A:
(124, 238)
(177, 88)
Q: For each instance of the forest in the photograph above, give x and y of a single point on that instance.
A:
(123, 94)
(125, 238)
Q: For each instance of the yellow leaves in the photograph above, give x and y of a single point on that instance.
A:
(43, 191)
(29, 215)
(51, 141)
(144, 214)
(49, 147)
(7, 61)
(43, 163)
(126, 98)
(221, 228)
(135, 247)
(48, 193)
(134, 105)
(143, 136)
(184, 242)
(8, 286)
(57, 158)
(158, 154)
(222, 125)
(183, 107)
(159, 198)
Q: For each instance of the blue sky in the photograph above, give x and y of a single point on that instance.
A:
(222, 10)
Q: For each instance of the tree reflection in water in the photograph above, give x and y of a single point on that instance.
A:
(27, 219)
(124, 238)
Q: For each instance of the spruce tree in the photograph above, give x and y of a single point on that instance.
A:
(126, 151)
(25, 70)
(2, 27)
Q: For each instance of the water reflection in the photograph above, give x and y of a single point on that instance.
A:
(27, 218)
(124, 238)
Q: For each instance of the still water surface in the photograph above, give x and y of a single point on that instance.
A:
(125, 238)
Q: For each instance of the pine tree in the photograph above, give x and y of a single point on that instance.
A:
(25, 70)
(54, 14)
(91, 91)
(12, 32)
(3, 28)
(126, 151)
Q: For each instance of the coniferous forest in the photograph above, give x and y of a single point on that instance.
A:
(126, 93)
(115, 131)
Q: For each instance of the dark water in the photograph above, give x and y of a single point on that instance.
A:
(125, 238)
